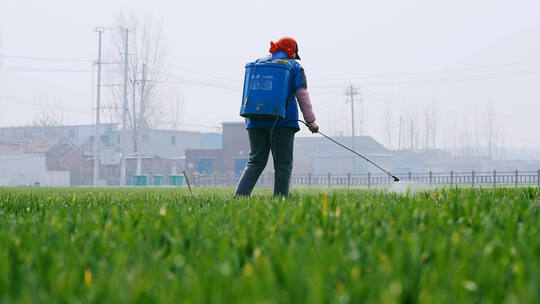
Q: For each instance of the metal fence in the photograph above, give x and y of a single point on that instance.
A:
(473, 178)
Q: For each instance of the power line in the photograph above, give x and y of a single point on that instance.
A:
(451, 79)
(328, 101)
(201, 73)
(436, 71)
(458, 109)
(17, 100)
(46, 58)
(214, 82)
(434, 81)
(195, 83)
(37, 69)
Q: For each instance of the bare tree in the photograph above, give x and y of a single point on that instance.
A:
(433, 125)
(146, 48)
(172, 117)
(464, 138)
(388, 124)
(491, 132)
(414, 134)
(45, 118)
(177, 112)
(403, 130)
(46, 122)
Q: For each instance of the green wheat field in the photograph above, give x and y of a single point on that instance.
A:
(318, 246)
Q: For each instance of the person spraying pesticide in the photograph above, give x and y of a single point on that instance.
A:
(272, 88)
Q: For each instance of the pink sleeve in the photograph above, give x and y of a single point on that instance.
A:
(302, 96)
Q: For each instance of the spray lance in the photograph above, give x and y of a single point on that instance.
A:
(365, 158)
(266, 95)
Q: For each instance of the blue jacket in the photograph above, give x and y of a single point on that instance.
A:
(298, 80)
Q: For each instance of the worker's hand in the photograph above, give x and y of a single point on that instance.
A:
(313, 127)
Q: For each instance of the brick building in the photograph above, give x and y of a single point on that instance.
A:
(311, 154)
(43, 161)
(235, 146)
(231, 158)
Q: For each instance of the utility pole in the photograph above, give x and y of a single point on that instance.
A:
(124, 115)
(97, 139)
(361, 113)
(141, 117)
(352, 91)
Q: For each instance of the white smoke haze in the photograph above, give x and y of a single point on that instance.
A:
(407, 187)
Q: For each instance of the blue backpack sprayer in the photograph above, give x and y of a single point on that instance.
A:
(267, 91)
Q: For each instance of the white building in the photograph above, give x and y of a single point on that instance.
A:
(43, 162)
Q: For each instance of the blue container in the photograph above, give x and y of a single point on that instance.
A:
(158, 180)
(177, 180)
(141, 180)
(266, 89)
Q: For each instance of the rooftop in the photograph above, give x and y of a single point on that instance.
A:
(32, 146)
(320, 146)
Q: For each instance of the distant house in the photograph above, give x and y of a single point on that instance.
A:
(45, 162)
(81, 136)
(232, 157)
(163, 151)
(311, 154)
(320, 155)
(419, 161)
(154, 142)
(168, 143)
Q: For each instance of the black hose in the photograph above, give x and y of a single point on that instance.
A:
(273, 127)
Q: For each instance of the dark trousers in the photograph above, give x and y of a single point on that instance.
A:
(281, 145)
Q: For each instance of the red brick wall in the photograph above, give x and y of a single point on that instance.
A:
(235, 143)
(65, 157)
(193, 154)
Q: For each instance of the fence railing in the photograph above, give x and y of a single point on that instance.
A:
(472, 178)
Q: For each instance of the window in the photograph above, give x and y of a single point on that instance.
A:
(205, 164)
(240, 164)
(104, 139)
(71, 133)
(173, 140)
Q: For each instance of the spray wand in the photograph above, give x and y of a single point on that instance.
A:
(331, 139)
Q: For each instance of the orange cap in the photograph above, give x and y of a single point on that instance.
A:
(287, 45)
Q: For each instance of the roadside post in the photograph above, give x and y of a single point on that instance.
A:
(187, 181)
(328, 180)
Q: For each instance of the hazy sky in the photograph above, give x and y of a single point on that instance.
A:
(407, 57)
